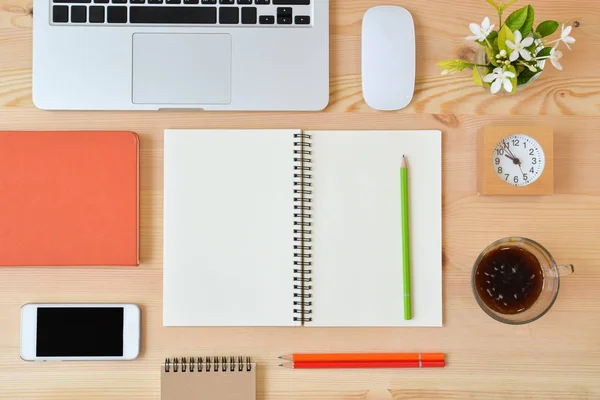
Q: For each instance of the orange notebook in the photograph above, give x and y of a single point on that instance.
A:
(69, 199)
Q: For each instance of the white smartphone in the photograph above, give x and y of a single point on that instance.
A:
(61, 332)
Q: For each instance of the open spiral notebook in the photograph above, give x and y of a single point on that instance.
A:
(290, 227)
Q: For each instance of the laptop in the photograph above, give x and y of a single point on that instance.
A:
(181, 54)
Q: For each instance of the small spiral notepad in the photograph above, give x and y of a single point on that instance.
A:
(299, 228)
(210, 378)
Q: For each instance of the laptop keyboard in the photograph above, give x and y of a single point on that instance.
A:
(187, 12)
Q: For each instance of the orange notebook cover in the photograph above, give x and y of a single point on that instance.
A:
(69, 198)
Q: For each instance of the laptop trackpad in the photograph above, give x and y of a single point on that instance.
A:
(181, 68)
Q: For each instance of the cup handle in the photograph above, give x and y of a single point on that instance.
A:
(565, 269)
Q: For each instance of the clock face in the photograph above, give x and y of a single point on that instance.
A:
(519, 160)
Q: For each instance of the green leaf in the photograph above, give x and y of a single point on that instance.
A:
(516, 20)
(492, 36)
(454, 66)
(477, 77)
(528, 24)
(520, 68)
(526, 76)
(515, 79)
(536, 35)
(494, 4)
(547, 28)
(491, 55)
(545, 52)
(504, 35)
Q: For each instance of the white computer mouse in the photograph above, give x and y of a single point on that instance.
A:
(388, 57)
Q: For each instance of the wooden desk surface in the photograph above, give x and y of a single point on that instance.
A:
(557, 357)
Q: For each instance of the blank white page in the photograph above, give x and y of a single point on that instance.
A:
(357, 235)
(228, 228)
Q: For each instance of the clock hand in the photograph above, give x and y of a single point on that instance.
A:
(506, 145)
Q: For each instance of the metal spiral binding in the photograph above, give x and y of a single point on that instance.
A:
(208, 364)
(302, 228)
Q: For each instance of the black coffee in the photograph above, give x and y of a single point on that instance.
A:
(509, 280)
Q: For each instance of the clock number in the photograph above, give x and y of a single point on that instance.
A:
(531, 170)
(506, 175)
(525, 177)
(530, 152)
(499, 170)
(516, 179)
(497, 161)
(524, 145)
(534, 160)
(515, 142)
(500, 152)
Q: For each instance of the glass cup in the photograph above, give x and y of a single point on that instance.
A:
(551, 273)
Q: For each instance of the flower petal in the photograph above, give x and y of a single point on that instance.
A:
(476, 29)
(508, 86)
(518, 37)
(566, 31)
(495, 88)
(525, 54)
(489, 78)
(473, 38)
(514, 55)
(509, 74)
(511, 45)
(569, 39)
(556, 64)
(485, 24)
(528, 41)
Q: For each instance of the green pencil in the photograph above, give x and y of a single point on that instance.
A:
(405, 238)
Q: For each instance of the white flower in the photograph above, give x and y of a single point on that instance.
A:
(501, 78)
(481, 32)
(555, 56)
(564, 36)
(520, 47)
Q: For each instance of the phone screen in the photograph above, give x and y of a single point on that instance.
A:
(79, 332)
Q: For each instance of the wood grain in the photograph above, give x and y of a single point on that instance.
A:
(557, 357)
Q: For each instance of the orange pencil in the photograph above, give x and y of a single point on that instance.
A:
(344, 357)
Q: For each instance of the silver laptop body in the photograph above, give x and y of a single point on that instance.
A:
(181, 54)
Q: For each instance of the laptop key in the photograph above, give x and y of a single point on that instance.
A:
(97, 14)
(227, 2)
(302, 19)
(284, 11)
(172, 15)
(101, 1)
(262, 2)
(116, 14)
(291, 2)
(155, 1)
(72, 1)
(284, 20)
(249, 15)
(173, 1)
(229, 15)
(244, 1)
(79, 14)
(119, 1)
(60, 14)
(208, 1)
(137, 1)
(191, 1)
(266, 20)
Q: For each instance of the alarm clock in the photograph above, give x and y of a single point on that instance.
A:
(516, 160)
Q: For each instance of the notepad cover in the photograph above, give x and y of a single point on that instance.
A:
(219, 385)
(68, 198)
